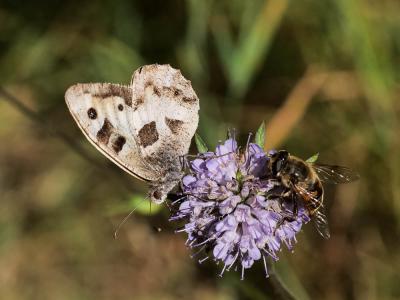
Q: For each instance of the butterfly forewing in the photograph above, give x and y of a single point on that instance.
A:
(102, 113)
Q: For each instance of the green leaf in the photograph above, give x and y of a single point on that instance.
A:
(313, 158)
(200, 144)
(138, 203)
(143, 205)
(260, 135)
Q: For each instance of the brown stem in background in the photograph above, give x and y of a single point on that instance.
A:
(34, 116)
(52, 130)
(294, 108)
(279, 288)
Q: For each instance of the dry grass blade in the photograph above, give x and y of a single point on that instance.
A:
(294, 107)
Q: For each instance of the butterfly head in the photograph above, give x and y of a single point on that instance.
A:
(157, 195)
(159, 190)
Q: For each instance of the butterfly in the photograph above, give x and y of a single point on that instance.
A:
(145, 127)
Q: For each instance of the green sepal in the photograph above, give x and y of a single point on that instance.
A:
(313, 158)
(200, 144)
(260, 135)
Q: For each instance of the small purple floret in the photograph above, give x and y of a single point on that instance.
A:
(227, 211)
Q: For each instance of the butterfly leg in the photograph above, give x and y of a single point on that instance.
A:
(183, 160)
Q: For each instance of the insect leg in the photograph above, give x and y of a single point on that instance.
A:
(286, 217)
(185, 165)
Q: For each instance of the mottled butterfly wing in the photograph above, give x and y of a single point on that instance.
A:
(165, 112)
(144, 127)
(104, 114)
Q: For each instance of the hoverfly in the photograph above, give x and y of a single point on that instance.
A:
(303, 182)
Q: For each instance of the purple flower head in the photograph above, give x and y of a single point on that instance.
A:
(231, 208)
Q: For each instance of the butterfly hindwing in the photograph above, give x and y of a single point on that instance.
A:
(165, 110)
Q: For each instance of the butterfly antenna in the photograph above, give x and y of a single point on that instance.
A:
(122, 223)
(126, 219)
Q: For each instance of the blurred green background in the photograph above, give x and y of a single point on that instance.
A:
(323, 74)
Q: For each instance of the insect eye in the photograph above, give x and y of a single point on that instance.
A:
(157, 195)
(283, 155)
(278, 165)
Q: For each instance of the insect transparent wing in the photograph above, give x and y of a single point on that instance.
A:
(335, 174)
(321, 222)
(318, 216)
(316, 203)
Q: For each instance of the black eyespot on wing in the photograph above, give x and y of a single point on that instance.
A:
(157, 195)
(92, 113)
(120, 107)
